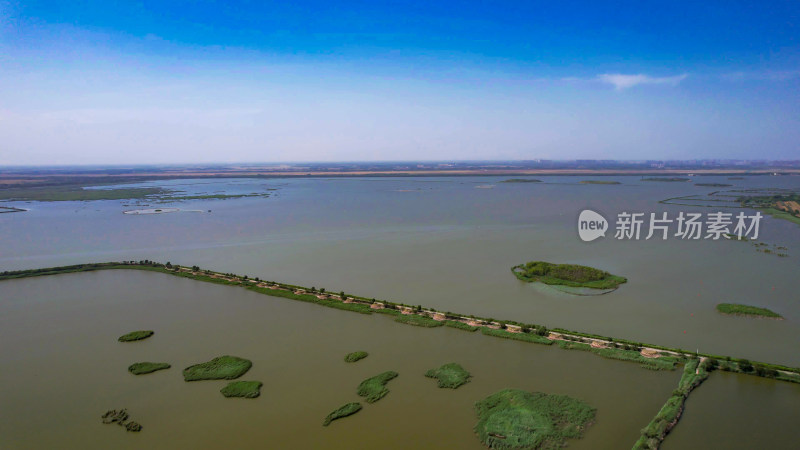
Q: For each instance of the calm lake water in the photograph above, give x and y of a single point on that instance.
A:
(63, 367)
(442, 242)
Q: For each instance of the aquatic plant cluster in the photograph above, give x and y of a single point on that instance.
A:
(244, 389)
(135, 336)
(121, 418)
(449, 375)
(747, 310)
(142, 368)
(355, 356)
(341, 412)
(572, 275)
(374, 388)
(220, 368)
(516, 419)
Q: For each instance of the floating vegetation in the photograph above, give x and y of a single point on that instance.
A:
(344, 411)
(374, 388)
(713, 184)
(243, 389)
(142, 368)
(135, 336)
(567, 274)
(450, 375)
(120, 417)
(747, 310)
(516, 419)
(220, 368)
(355, 356)
(521, 180)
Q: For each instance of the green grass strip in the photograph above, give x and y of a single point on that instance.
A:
(525, 337)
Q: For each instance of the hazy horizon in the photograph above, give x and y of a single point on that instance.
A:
(235, 82)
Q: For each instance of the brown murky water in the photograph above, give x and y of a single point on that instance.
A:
(62, 368)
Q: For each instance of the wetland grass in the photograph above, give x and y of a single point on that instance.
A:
(341, 412)
(736, 309)
(449, 375)
(142, 368)
(516, 419)
(242, 389)
(374, 388)
(220, 368)
(135, 336)
(355, 356)
(572, 275)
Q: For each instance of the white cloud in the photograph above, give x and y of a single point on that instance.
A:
(621, 81)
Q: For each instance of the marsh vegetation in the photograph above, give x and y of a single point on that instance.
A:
(450, 375)
(355, 356)
(747, 310)
(142, 368)
(243, 389)
(341, 412)
(135, 336)
(572, 275)
(516, 419)
(220, 368)
(374, 388)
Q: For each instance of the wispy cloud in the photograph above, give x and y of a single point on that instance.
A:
(622, 81)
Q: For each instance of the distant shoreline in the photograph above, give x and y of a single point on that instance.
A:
(34, 177)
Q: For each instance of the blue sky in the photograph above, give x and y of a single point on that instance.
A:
(90, 82)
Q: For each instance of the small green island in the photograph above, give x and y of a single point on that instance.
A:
(220, 368)
(713, 184)
(735, 309)
(599, 182)
(135, 336)
(571, 275)
(142, 368)
(344, 411)
(516, 419)
(374, 388)
(242, 389)
(449, 375)
(355, 356)
(521, 180)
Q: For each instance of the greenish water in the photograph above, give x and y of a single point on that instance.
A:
(63, 367)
